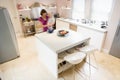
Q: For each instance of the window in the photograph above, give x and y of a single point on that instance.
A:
(101, 9)
(78, 9)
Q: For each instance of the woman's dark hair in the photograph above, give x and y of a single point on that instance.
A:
(43, 11)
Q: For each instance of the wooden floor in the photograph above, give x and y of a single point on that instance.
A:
(29, 67)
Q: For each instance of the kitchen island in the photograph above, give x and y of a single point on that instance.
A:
(50, 46)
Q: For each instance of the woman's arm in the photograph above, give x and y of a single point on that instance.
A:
(38, 24)
(41, 22)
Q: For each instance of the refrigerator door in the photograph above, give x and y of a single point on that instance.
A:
(115, 49)
(8, 42)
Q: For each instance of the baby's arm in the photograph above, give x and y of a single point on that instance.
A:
(51, 21)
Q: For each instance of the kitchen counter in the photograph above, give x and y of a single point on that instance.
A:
(59, 44)
(89, 26)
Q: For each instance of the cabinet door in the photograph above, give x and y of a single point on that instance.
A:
(97, 38)
(61, 24)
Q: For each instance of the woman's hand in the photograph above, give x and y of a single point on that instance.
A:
(49, 25)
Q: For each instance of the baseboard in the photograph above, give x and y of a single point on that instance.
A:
(105, 51)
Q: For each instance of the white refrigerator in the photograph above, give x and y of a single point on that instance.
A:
(8, 42)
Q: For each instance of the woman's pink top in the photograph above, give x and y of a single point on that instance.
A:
(44, 22)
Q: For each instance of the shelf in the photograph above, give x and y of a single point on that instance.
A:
(64, 67)
(28, 33)
(65, 53)
(24, 10)
(62, 63)
(51, 7)
(66, 8)
(60, 60)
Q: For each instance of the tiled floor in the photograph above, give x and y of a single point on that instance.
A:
(107, 68)
(29, 67)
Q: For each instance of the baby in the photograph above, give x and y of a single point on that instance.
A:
(51, 21)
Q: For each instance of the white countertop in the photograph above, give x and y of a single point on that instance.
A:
(59, 44)
(89, 26)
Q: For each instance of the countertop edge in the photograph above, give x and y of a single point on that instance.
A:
(85, 26)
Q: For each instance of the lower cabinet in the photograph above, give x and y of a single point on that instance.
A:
(97, 38)
(61, 24)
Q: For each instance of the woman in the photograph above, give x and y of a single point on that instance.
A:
(44, 20)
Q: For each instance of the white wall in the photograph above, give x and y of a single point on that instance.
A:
(113, 22)
(10, 5)
(64, 3)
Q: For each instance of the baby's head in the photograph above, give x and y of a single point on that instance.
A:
(50, 15)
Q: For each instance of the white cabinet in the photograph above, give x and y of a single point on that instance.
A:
(61, 24)
(97, 38)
